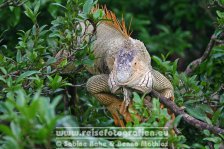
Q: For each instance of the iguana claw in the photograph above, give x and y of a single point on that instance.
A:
(126, 101)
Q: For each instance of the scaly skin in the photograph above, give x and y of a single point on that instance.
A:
(122, 62)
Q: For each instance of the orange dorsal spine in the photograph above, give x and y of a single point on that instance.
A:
(111, 20)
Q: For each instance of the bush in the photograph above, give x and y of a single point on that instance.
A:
(43, 56)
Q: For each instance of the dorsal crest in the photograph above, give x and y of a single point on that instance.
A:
(111, 20)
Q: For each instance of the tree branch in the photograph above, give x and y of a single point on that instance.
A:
(187, 118)
(193, 65)
(12, 3)
(219, 4)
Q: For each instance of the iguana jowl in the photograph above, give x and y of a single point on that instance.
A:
(122, 62)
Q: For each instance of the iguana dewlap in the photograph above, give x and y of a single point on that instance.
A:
(121, 62)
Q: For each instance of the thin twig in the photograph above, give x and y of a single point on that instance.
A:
(12, 3)
(207, 10)
(193, 65)
(78, 85)
(4, 4)
(186, 117)
(219, 4)
(219, 41)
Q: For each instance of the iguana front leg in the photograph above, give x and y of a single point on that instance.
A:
(163, 86)
(98, 87)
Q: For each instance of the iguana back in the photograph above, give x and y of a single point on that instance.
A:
(111, 36)
(106, 46)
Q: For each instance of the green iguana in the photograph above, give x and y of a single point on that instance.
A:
(122, 62)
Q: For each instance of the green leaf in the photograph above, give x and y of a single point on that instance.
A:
(21, 101)
(157, 60)
(36, 95)
(37, 6)
(87, 6)
(11, 143)
(221, 1)
(220, 14)
(18, 56)
(48, 69)
(175, 65)
(222, 99)
(217, 146)
(208, 120)
(63, 63)
(206, 132)
(196, 112)
(6, 130)
(15, 130)
(213, 139)
(26, 74)
(4, 71)
(206, 108)
(30, 14)
(216, 115)
(177, 120)
(59, 5)
(2, 79)
(136, 98)
(55, 82)
(98, 14)
(88, 62)
(197, 145)
(56, 101)
(17, 15)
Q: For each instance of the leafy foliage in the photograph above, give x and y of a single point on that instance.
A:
(42, 68)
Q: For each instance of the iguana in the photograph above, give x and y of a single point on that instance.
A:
(121, 62)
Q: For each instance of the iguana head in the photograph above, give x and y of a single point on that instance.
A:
(125, 64)
(132, 67)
